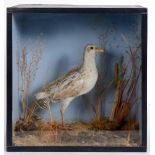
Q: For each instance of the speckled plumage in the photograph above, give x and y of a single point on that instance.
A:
(76, 82)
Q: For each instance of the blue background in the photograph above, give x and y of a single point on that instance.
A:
(63, 37)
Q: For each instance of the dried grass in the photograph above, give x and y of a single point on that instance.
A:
(27, 69)
(125, 95)
(104, 124)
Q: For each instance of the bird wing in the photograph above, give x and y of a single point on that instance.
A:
(69, 85)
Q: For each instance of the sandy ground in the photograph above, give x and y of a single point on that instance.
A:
(76, 138)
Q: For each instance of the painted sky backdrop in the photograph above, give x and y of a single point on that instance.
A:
(62, 38)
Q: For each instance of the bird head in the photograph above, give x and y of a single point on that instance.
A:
(92, 49)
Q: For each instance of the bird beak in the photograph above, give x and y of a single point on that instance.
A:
(99, 49)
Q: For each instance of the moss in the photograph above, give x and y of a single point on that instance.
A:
(104, 124)
(131, 125)
(33, 124)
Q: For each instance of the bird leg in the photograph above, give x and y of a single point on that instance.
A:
(49, 109)
(62, 116)
(64, 105)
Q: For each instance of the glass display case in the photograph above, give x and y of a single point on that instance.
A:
(76, 78)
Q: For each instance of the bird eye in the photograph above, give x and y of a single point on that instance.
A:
(91, 48)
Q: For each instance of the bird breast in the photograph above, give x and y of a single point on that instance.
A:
(90, 77)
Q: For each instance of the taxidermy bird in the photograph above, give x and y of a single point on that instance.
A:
(75, 83)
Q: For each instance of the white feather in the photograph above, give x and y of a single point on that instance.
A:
(41, 95)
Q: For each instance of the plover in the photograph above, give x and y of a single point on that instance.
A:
(75, 83)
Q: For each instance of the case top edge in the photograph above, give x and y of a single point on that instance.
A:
(73, 6)
(41, 7)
